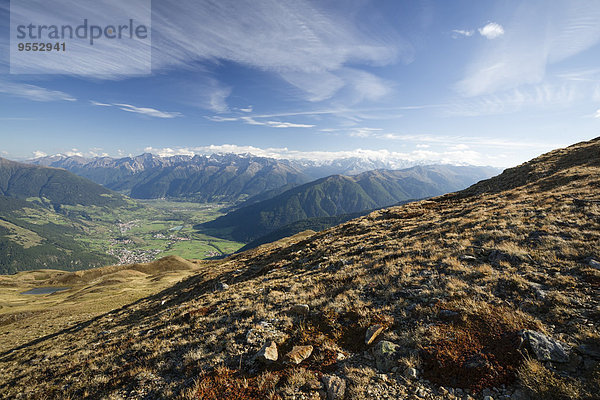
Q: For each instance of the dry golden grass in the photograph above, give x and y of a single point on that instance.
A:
(544, 384)
(508, 253)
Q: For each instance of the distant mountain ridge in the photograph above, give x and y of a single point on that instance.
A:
(218, 177)
(210, 178)
(339, 194)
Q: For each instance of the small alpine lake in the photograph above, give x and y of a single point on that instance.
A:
(46, 290)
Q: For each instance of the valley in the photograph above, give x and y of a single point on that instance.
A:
(154, 229)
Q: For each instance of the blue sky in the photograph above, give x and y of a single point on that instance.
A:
(488, 83)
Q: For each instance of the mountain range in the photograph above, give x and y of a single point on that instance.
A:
(215, 178)
(338, 194)
(210, 178)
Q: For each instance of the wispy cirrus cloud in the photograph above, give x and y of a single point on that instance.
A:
(106, 59)
(147, 111)
(307, 44)
(248, 120)
(542, 96)
(150, 112)
(274, 124)
(348, 113)
(33, 92)
(98, 104)
(313, 37)
(525, 51)
(461, 33)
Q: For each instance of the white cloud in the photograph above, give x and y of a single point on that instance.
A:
(251, 120)
(150, 112)
(38, 154)
(96, 103)
(401, 159)
(514, 100)
(73, 153)
(352, 85)
(217, 118)
(106, 59)
(491, 31)
(32, 92)
(525, 52)
(274, 124)
(458, 33)
(471, 141)
(597, 114)
(314, 85)
(312, 38)
(248, 109)
(363, 132)
(217, 99)
(586, 75)
(306, 43)
(459, 150)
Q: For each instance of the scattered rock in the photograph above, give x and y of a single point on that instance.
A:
(488, 398)
(448, 315)
(299, 354)
(222, 286)
(466, 257)
(540, 292)
(300, 309)
(268, 353)
(594, 264)
(477, 362)
(335, 386)
(263, 332)
(545, 348)
(410, 373)
(372, 333)
(385, 355)
(519, 395)
(589, 350)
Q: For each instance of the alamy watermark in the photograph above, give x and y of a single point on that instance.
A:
(82, 37)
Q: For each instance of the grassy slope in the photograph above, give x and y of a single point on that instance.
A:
(528, 245)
